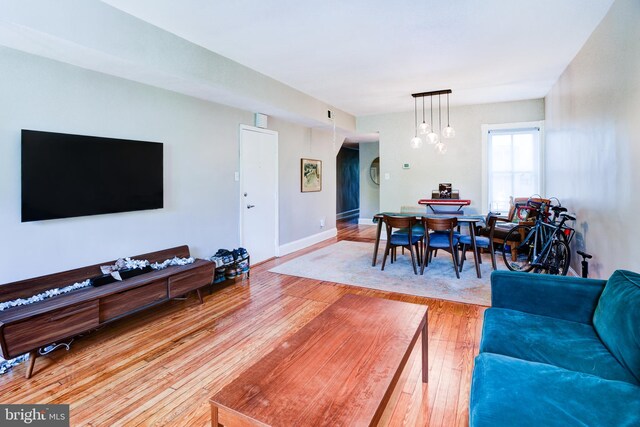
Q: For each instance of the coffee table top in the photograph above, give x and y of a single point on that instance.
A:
(337, 370)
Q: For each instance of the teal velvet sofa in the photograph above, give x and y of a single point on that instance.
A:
(559, 351)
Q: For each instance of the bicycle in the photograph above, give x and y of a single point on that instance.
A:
(543, 247)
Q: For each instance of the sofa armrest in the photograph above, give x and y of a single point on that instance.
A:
(562, 297)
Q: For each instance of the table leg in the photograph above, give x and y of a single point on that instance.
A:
(476, 256)
(214, 416)
(425, 349)
(375, 246)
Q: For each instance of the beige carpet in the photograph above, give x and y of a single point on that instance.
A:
(349, 263)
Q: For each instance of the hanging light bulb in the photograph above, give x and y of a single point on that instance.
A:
(441, 148)
(448, 132)
(416, 141)
(432, 137)
(424, 127)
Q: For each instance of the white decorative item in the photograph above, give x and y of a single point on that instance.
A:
(171, 262)
(44, 295)
(5, 365)
(416, 142)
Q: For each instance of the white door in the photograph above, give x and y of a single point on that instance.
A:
(259, 192)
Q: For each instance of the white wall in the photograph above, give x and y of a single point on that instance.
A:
(369, 192)
(94, 35)
(593, 141)
(201, 155)
(461, 165)
(300, 213)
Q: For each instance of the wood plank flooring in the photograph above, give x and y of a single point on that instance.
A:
(161, 366)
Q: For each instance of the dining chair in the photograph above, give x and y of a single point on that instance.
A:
(406, 240)
(442, 237)
(484, 241)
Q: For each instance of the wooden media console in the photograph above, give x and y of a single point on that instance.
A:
(24, 329)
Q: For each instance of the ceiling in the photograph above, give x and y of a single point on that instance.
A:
(367, 56)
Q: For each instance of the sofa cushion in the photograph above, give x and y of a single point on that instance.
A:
(513, 392)
(570, 345)
(617, 318)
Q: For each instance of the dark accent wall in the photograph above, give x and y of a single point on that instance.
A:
(347, 180)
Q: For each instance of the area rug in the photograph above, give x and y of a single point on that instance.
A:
(349, 263)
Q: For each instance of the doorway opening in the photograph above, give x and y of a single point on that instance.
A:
(358, 179)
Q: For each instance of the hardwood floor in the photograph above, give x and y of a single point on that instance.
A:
(160, 367)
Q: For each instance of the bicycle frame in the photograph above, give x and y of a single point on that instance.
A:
(544, 234)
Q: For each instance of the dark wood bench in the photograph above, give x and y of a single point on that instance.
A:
(24, 329)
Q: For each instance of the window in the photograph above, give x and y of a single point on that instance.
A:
(513, 165)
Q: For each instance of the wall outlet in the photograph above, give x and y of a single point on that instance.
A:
(387, 176)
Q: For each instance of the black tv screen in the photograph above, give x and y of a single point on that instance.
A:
(67, 176)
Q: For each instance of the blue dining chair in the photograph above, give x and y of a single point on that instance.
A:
(407, 240)
(482, 242)
(441, 237)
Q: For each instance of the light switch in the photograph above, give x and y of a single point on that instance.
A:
(236, 176)
(387, 176)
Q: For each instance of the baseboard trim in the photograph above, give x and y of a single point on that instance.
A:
(305, 242)
(354, 213)
(365, 221)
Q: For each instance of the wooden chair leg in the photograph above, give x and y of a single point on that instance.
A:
(463, 255)
(32, 361)
(387, 249)
(425, 254)
(454, 255)
(413, 259)
(493, 256)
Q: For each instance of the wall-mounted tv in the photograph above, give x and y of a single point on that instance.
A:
(67, 176)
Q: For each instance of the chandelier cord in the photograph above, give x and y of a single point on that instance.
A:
(415, 115)
(439, 115)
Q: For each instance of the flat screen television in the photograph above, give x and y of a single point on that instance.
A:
(67, 175)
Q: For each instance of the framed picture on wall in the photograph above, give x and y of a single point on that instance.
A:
(310, 175)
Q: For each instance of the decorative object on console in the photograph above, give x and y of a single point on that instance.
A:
(425, 129)
(44, 295)
(445, 190)
(310, 175)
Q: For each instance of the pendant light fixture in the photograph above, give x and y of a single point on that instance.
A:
(448, 132)
(432, 134)
(416, 141)
(424, 127)
(432, 137)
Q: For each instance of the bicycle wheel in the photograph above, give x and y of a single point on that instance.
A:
(559, 258)
(520, 242)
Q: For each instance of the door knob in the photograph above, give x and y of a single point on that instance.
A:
(251, 206)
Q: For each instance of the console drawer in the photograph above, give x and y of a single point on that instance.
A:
(124, 302)
(46, 328)
(182, 283)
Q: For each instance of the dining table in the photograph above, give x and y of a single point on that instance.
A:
(470, 220)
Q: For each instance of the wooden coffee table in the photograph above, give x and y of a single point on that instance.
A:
(339, 369)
